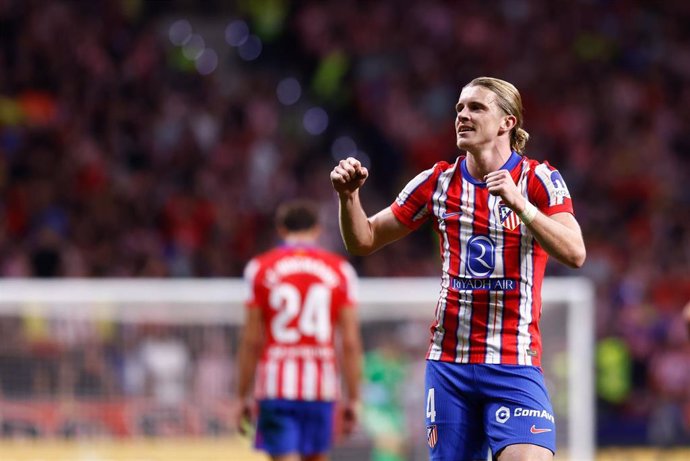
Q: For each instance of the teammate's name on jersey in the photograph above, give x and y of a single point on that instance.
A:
(490, 284)
(299, 265)
(300, 352)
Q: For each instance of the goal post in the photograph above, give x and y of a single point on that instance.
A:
(71, 309)
(578, 295)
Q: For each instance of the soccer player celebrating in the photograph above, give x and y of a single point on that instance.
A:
(299, 295)
(499, 215)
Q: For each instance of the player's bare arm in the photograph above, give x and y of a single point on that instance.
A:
(351, 365)
(559, 234)
(247, 357)
(362, 235)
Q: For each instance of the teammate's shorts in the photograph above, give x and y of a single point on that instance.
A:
(470, 408)
(288, 426)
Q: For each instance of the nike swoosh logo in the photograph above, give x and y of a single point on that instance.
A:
(446, 215)
(534, 430)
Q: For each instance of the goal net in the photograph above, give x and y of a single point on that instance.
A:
(144, 369)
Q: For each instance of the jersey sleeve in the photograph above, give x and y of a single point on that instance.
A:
(351, 284)
(251, 271)
(549, 192)
(411, 206)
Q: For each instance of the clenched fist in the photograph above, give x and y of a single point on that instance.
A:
(501, 184)
(348, 176)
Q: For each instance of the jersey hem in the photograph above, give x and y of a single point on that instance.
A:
(535, 364)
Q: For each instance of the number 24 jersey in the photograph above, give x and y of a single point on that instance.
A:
(301, 291)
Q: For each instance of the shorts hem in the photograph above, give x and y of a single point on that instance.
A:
(507, 443)
(278, 452)
(441, 458)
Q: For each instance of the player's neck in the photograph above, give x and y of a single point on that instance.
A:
(482, 162)
(306, 238)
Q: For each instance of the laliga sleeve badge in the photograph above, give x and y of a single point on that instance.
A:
(431, 435)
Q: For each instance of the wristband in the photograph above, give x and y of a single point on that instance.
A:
(528, 214)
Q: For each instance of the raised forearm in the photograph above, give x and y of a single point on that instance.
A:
(363, 235)
(560, 236)
(355, 227)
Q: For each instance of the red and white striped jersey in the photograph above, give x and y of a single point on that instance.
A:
(490, 299)
(300, 290)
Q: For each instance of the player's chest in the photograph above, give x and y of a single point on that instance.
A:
(481, 213)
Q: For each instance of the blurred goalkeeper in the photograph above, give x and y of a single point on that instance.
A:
(498, 215)
(299, 297)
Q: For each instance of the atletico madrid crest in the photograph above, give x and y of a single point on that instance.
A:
(509, 218)
(431, 435)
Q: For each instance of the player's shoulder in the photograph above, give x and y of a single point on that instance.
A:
(310, 252)
(264, 260)
(444, 165)
(336, 262)
(544, 178)
(541, 170)
(267, 256)
(535, 164)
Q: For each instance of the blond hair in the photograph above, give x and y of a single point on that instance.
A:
(510, 102)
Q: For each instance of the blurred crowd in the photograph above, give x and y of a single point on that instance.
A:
(72, 377)
(154, 139)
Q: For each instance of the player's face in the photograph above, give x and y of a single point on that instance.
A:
(479, 119)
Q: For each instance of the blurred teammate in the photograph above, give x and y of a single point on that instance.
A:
(299, 295)
(498, 215)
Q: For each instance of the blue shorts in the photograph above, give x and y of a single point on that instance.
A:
(288, 426)
(470, 408)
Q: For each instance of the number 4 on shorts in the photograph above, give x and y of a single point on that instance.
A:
(431, 405)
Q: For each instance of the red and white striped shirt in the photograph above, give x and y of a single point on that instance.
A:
(300, 291)
(490, 300)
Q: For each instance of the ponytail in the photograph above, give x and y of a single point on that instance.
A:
(518, 139)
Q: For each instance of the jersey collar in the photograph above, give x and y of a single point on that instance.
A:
(511, 163)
